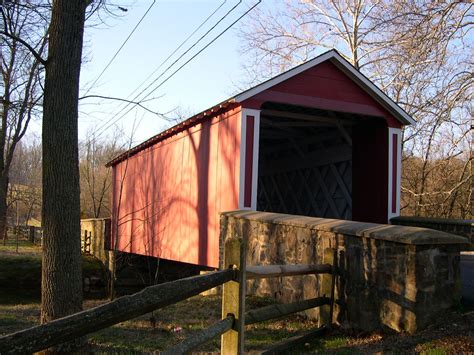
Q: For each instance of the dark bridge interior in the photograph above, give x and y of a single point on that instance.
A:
(305, 161)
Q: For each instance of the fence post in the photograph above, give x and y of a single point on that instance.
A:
(233, 296)
(334, 272)
(89, 243)
(31, 234)
(83, 242)
(327, 282)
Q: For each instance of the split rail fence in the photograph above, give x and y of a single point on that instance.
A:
(234, 317)
(86, 241)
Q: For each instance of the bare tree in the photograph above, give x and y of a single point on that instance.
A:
(22, 76)
(61, 291)
(61, 263)
(419, 53)
(96, 179)
(25, 181)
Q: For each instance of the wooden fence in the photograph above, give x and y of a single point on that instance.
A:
(234, 318)
(33, 234)
(86, 242)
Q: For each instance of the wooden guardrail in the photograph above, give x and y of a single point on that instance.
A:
(33, 234)
(234, 318)
(86, 242)
(121, 309)
(233, 296)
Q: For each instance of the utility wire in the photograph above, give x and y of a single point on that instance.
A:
(184, 64)
(201, 50)
(120, 49)
(135, 98)
(177, 48)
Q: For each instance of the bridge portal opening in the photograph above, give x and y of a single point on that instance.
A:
(306, 160)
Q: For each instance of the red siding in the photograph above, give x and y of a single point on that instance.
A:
(325, 87)
(173, 191)
(167, 197)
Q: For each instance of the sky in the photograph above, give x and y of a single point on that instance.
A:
(208, 79)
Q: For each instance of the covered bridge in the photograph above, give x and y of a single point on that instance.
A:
(318, 140)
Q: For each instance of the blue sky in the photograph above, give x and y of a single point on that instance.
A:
(206, 80)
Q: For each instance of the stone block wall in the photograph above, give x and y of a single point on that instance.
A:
(462, 227)
(394, 277)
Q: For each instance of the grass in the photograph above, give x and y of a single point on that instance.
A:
(171, 326)
(174, 323)
(22, 269)
(19, 309)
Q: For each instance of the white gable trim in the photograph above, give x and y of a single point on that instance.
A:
(347, 68)
(283, 76)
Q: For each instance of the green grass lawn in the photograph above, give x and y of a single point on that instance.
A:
(20, 275)
(174, 323)
(22, 269)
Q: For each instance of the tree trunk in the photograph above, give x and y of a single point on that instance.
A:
(3, 208)
(61, 288)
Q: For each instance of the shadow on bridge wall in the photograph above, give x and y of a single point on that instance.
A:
(167, 197)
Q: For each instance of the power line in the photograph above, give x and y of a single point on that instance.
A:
(201, 50)
(178, 48)
(119, 50)
(184, 64)
(169, 67)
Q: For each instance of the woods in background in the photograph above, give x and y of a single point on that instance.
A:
(419, 53)
(96, 179)
(24, 194)
(21, 85)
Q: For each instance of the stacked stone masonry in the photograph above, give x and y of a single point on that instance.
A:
(394, 277)
(462, 227)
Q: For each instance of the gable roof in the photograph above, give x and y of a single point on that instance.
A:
(333, 56)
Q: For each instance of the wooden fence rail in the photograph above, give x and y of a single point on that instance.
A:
(203, 336)
(281, 310)
(267, 271)
(122, 309)
(233, 295)
(234, 317)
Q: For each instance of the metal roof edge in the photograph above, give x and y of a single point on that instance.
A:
(170, 131)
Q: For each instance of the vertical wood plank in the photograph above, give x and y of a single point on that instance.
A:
(333, 286)
(326, 289)
(233, 296)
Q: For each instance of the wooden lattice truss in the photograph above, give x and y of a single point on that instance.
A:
(305, 162)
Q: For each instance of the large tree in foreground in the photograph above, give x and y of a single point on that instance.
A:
(61, 291)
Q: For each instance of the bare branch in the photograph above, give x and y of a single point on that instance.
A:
(27, 45)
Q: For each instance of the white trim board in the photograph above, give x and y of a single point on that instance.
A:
(348, 69)
(243, 148)
(256, 141)
(391, 132)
